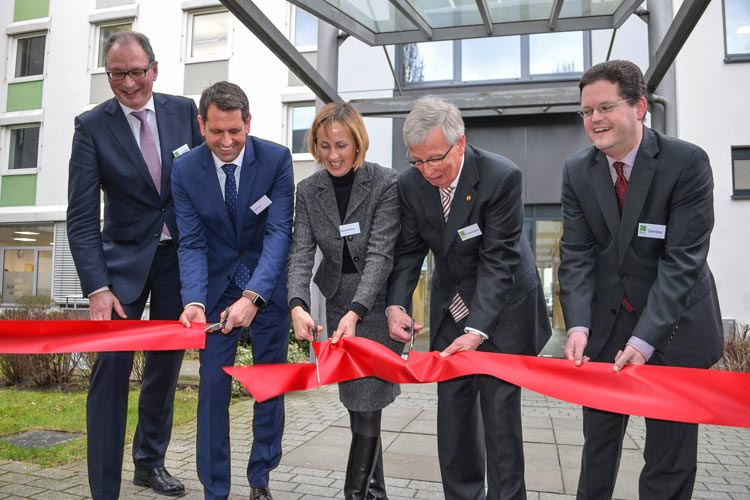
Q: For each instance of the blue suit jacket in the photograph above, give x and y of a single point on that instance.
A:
(210, 249)
(105, 154)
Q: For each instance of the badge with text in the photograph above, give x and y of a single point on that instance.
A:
(657, 231)
(260, 205)
(469, 232)
(180, 151)
(349, 229)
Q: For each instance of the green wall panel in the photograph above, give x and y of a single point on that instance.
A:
(25, 95)
(18, 191)
(30, 9)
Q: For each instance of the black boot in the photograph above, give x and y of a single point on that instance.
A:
(377, 481)
(363, 455)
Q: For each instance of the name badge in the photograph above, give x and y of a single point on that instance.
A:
(657, 231)
(469, 232)
(181, 150)
(349, 229)
(260, 205)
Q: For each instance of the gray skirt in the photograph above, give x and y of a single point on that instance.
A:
(369, 393)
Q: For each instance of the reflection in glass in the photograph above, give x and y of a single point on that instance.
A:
(737, 21)
(302, 118)
(24, 147)
(18, 274)
(551, 53)
(44, 273)
(478, 64)
(30, 56)
(428, 61)
(104, 33)
(741, 174)
(547, 234)
(305, 29)
(583, 8)
(510, 11)
(378, 16)
(210, 35)
(447, 13)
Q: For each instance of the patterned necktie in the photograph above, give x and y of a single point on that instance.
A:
(242, 275)
(458, 307)
(621, 188)
(150, 153)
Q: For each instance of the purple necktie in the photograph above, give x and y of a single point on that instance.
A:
(150, 153)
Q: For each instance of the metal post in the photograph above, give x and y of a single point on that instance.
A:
(664, 109)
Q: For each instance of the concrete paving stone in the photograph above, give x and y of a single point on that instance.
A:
(276, 485)
(729, 459)
(422, 425)
(569, 437)
(15, 478)
(414, 444)
(56, 495)
(430, 495)
(19, 467)
(309, 489)
(81, 489)
(555, 496)
(21, 490)
(50, 484)
(740, 496)
(707, 478)
(537, 435)
(425, 485)
(313, 480)
(401, 492)
(730, 488)
(713, 495)
(537, 422)
(739, 471)
(570, 464)
(545, 474)
(309, 471)
(55, 474)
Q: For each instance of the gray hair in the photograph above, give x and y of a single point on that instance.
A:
(126, 37)
(428, 113)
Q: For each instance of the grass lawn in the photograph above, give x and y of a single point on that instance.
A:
(62, 410)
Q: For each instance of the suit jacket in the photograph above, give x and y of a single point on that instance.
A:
(666, 279)
(105, 155)
(373, 204)
(491, 271)
(211, 250)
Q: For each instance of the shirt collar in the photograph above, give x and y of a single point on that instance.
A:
(149, 105)
(458, 176)
(237, 161)
(628, 159)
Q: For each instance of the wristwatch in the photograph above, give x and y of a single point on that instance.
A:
(254, 298)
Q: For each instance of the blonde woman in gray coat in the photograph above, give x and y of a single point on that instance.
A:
(350, 211)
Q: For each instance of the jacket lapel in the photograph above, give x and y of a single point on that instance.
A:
(360, 191)
(247, 181)
(463, 199)
(326, 198)
(604, 189)
(168, 137)
(123, 134)
(638, 188)
(429, 199)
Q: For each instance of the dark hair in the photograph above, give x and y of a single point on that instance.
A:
(126, 37)
(625, 74)
(227, 97)
(346, 115)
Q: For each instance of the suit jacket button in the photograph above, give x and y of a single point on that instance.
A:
(163, 210)
(356, 259)
(156, 235)
(350, 238)
(613, 312)
(625, 276)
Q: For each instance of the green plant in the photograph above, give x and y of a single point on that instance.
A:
(736, 350)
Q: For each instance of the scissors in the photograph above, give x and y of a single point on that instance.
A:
(219, 327)
(411, 342)
(313, 357)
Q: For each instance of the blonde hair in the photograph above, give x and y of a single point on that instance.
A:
(349, 117)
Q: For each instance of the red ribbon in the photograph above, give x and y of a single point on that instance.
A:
(668, 393)
(37, 337)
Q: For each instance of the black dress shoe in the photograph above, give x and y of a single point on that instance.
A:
(159, 480)
(261, 494)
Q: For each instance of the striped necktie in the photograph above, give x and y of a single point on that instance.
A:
(457, 307)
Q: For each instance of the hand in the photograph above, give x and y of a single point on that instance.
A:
(101, 305)
(399, 324)
(347, 327)
(241, 313)
(630, 356)
(192, 313)
(466, 342)
(303, 324)
(575, 346)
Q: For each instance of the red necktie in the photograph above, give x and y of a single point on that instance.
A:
(621, 188)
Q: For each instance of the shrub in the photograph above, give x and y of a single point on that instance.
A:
(736, 350)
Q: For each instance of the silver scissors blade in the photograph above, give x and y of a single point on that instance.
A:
(411, 342)
(218, 327)
(313, 356)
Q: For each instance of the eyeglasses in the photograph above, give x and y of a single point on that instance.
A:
(135, 74)
(603, 109)
(433, 162)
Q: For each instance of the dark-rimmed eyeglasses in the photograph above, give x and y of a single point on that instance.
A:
(603, 109)
(135, 74)
(433, 162)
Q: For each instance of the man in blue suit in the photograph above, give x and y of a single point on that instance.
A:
(233, 198)
(125, 147)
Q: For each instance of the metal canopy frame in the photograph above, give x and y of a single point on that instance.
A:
(505, 102)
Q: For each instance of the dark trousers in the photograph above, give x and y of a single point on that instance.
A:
(479, 429)
(670, 452)
(107, 403)
(270, 337)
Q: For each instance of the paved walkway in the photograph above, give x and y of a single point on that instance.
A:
(316, 444)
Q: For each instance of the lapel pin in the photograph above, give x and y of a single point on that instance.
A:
(468, 197)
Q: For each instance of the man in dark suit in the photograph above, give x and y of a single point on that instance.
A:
(234, 205)
(465, 205)
(634, 283)
(125, 146)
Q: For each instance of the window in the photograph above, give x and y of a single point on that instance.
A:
(30, 56)
(208, 35)
(497, 59)
(103, 34)
(300, 118)
(24, 147)
(741, 172)
(305, 31)
(737, 30)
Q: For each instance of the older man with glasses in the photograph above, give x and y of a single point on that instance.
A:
(465, 205)
(125, 147)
